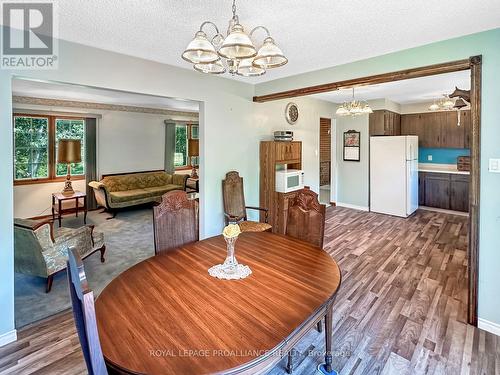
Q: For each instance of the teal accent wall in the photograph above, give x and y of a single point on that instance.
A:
(441, 155)
(487, 44)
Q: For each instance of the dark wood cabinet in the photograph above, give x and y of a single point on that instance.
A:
(444, 190)
(421, 190)
(438, 129)
(459, 193)
(437, 190)
(465, 122)
(384, 122)
(452, 135)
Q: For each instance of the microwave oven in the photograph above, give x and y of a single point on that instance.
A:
(289, 180)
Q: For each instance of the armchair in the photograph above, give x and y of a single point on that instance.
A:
(235, 208)
(39, 252)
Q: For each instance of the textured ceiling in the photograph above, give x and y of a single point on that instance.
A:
(417, 90)
(313, 34)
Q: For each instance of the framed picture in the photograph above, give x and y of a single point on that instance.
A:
(352, 145)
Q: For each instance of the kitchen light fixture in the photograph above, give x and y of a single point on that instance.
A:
(445, 103)
(354, 107)
(235, 52)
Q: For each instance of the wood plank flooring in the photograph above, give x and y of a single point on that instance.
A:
(401, 308)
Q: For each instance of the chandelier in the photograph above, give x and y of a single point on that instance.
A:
(354, 107)
(235, 52)
(445, 103)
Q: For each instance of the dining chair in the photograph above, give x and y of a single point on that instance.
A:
(306, 218)
(235, 210)
(175, 221)
(82, 300)
(306, 222)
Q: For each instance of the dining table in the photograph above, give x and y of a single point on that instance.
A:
(167, 315)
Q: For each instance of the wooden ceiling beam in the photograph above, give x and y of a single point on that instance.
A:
(448, 67)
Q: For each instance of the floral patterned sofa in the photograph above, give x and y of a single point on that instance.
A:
(125, 190)
(38, 251)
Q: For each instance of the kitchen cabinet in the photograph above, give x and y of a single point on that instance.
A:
(437, 190)
(421, 190)
(438, 129)
(288, 151)
(459, 192)
(465, 122)
(384, 122)
(444, 190)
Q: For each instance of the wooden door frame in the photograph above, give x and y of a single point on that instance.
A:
(474, 64)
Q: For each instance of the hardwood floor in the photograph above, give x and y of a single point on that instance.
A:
(401, 308)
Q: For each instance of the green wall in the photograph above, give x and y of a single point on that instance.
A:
(486, 44)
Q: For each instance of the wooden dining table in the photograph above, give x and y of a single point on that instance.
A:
(167, 315)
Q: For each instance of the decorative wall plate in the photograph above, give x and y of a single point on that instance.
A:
(291, 113)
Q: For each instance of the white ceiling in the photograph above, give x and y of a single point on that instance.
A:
(313, 34)
(417, 90)
(38, 89)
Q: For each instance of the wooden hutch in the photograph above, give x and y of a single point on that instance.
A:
(275, 155)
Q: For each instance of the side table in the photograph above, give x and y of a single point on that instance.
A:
(59, 198)
(193, 184)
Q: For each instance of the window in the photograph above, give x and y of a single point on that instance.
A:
(184, 132)
(181, 138)
(31, 147)
(35, 147)
(71, 129)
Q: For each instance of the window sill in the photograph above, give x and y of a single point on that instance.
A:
(47, 180)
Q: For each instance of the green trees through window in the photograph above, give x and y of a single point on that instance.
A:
(181, 141)
(35, 146)
(71, 129)
(31, 147)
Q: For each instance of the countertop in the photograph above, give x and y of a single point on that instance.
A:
(440, 168)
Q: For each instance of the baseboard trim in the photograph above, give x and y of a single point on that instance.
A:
(489, 326)
(353, 206)
(8, 337)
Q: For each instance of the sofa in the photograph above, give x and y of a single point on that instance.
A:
(124, 190)
(38, 251)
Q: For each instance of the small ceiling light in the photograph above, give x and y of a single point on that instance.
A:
(434, 107)
(247, 69)
(354, 107)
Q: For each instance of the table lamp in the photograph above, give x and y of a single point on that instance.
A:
(193, 151)
(69, 151)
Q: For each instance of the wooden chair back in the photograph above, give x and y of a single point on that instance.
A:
(233, 196)
(82, 300)
(175, 221)
(306, 218)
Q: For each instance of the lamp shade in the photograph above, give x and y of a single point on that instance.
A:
(211, 68)
(200, 50)
(237, 45)
(269, 55)
(69, 151)
(247, 69)
(193, 147)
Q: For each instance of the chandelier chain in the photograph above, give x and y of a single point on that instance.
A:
(234, 9)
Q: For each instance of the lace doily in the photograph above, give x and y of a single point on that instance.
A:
(240, 272)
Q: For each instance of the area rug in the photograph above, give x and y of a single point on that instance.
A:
(129, 240)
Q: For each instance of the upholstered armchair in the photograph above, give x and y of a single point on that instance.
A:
(40, 252)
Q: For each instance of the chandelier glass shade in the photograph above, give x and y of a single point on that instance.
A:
(354, 107)
(236, 52)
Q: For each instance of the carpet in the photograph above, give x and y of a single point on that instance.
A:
(129, 240)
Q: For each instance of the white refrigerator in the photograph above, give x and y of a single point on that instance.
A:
(394, 175)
